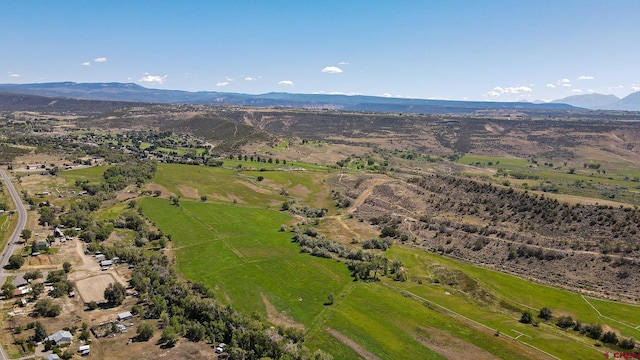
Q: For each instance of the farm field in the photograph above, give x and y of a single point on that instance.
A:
(238, 250)
(500, 286)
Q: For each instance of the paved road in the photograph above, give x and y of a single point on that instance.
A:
(13, 240)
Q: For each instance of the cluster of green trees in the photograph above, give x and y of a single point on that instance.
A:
(364, 265)
(256, 158)
(594, 331)
(307, 211)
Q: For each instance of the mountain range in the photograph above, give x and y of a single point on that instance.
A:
(135, 93)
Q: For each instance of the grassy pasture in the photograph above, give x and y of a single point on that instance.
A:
(238, 250)
(528, 295)
(90, 174)
(505, 163)
(241, 251)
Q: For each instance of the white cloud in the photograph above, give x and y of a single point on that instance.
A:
(100, 59)
(564, 81)
(551, 86)
(566, 85)
(222, 84)
(635, 87)
(148, 78)
(86, 63)
(585, 77)
(497, 91)
(343, 63)
(249, 78)
(332, 70)
(577, 91)
(14, 75)
(286, 82)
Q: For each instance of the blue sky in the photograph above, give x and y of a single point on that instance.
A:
(460, 50)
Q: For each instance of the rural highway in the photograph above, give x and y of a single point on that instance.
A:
(13, 240)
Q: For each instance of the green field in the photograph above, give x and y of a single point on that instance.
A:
(242, 251)
(238, 250)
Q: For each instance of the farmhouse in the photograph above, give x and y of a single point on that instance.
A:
(60, 337)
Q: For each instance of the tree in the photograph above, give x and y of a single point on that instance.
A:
(203, 198)
(627, 344)
(526, 317)
(545, 313)
(610, 338)
(36, 290)
(565, 322)
(595, 331)
(7, 289)
(92, 305)
(169, 337)
(15, 261)
(175, 201)
(40, 332)
(31, 275)
(145, 331)
(330, 299)
(25, 234)
(46, 307)
(115, 293)
(67, 267)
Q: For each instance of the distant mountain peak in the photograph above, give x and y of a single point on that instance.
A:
(589, 101)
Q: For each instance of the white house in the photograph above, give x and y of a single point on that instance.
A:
(60, 337)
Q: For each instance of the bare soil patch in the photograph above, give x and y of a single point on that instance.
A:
(92, 288)
(352, 344)
(188, 192)
(279, 318)
(451, 347)
(300, 190)
(153, 187)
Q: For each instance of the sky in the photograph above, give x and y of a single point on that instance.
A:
(459, 50)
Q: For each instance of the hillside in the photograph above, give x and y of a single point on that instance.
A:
(589, 101)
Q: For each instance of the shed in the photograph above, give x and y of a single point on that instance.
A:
(124, 316)
(52, 357)
(106, 263)
(60, 337)
(84, 350)
(100, 257)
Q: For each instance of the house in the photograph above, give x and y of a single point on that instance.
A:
(39, 245)
(52, 357)
(84, 350)
(124, 316)
(60, 337)
(22, 290)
